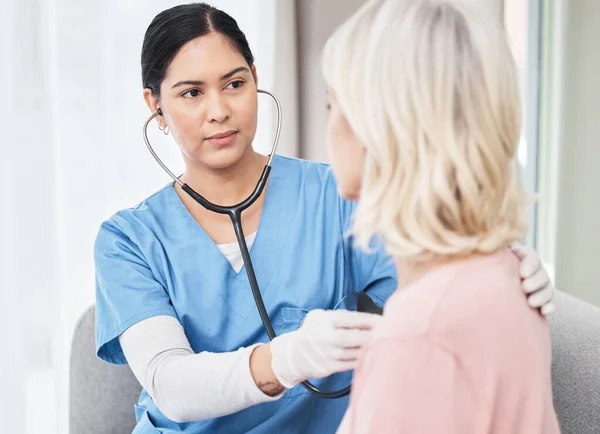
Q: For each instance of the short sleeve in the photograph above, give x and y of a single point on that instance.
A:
(126, 290)
(373, 272)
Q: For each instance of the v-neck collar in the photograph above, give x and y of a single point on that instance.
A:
(228, 247)
(269, 242)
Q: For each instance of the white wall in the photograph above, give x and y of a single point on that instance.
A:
(578, 204)
(316, 21)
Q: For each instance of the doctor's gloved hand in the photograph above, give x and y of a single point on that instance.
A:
(327, 342)
(536, 281)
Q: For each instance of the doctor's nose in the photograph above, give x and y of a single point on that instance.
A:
(217, 109)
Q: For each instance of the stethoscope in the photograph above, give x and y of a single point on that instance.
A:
(235, 213)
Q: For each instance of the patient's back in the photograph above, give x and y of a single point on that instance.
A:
(459, 351)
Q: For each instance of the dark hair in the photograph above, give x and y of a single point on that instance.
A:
(173, 28)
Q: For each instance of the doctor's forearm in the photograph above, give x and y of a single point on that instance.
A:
(262, 373)
(205, 386)
(185, 386)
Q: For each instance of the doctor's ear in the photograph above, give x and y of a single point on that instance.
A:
(254, 74)
(152, 101)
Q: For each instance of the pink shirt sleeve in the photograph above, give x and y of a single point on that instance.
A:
(411, 386)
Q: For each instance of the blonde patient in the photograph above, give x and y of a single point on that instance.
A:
(423, 130)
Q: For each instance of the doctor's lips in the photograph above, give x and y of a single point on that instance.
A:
(225, 138)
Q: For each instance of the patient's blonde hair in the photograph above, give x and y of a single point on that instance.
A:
(430, 88)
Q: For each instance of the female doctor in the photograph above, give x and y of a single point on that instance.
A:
(172, 300)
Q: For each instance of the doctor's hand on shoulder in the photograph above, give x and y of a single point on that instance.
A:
(327, 342)
(536, 282)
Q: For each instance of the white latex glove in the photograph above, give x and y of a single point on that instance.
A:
(536, 281)
(327, 342)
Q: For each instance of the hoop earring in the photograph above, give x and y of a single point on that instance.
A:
(164, 129)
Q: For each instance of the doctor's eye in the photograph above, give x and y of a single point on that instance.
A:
(236, 84)
(192, 93)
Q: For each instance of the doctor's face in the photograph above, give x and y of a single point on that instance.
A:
(345, 152)
(209, 102)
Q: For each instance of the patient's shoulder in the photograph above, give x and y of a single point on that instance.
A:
(458, 299)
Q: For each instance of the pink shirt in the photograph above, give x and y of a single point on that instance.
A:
(458, 352)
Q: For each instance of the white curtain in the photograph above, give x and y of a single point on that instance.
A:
(72, 154)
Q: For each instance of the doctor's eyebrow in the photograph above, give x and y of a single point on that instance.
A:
(200, 83)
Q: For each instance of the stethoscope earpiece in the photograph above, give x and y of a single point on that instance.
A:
(159, 112)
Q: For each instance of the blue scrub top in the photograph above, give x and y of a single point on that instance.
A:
(154, 259)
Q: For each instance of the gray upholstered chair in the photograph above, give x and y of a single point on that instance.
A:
(575, 328)
(102, 396)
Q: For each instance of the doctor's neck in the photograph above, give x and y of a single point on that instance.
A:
(228, 185)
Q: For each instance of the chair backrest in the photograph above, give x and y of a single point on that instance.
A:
(575, 328)
(101, 396)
